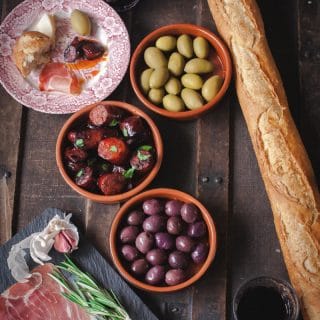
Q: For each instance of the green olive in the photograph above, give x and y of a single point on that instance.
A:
(211, 87)
(172, 102)
(166, 43)
(156, 95)
(176, 64)
(192, 99)
(159, 77)
(173, 86)
(80, 23)
(192, 81)
(144, 80)
(154, 58)
(198, 65)
(184, 45)
(201, 47)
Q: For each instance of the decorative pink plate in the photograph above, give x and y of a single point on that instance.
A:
(100, 79)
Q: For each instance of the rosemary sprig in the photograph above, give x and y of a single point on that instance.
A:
(84, 291)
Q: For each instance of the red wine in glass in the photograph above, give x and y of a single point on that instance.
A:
(122, 5)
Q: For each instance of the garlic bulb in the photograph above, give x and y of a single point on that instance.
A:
(59, 232)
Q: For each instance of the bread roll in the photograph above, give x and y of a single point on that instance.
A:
(31, 49)
(284, 164)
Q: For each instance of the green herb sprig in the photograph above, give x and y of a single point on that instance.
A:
(85, 292)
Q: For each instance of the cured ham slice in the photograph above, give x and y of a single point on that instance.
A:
(38, 299)
(56, 76)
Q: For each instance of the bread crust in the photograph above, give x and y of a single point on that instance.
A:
(30, 50)
(283, 161)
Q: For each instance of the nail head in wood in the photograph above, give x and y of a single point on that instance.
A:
(218, 180)
(204, 179)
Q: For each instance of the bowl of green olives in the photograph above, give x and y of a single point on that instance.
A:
(180, 71)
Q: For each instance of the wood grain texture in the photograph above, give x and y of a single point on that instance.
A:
(209, 296)
(11, 115)
(309, 69)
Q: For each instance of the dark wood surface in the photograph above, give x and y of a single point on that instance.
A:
(211, 158)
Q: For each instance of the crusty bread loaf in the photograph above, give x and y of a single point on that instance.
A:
(284, 164)
(31, 49)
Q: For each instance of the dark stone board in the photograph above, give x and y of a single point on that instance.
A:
(87, 258)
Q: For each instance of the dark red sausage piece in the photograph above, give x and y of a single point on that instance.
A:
(132, 126)
(142, 161)
(75, 155)
(88, 139)
(118, 169)
(84, 178)
(92, 50)
(112, 183)
(113, 150)
(72, 136)
(93, 137)
(75, 166)
(104, 115)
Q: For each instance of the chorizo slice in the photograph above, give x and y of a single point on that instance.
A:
(112, 183)
(113, 150)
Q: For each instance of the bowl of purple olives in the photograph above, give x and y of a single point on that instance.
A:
(162, 240)
(109, 151)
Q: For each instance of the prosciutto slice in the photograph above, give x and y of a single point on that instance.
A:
(39, 298)
(56, 76)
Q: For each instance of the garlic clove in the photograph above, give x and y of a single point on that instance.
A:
(65, 241)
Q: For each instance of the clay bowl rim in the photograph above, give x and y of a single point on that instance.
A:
(171, 194)
(177, 29)
(106, 199)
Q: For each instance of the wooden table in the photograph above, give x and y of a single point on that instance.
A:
(211, 158)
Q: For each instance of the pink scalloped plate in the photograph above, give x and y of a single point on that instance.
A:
(99, 80)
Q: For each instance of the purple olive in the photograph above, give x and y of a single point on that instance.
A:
(184, 243)
(200, 253)
(135, 218)
(154, 223)
(155, 275)
(156, 257)
(178, 260)
(175, 276)
(144, 242)
(130, 253)
(189, 212)
(129, 234)
(139, 267)
(164, 240)
(175, 225)
(197, 229)
(173, 207)
(152, 206)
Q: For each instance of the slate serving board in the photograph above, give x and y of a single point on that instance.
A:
(87, 258)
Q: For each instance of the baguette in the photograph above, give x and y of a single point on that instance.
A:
(283, 162)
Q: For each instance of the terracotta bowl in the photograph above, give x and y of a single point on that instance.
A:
(78, 117)
(219, 56)
(197, 271)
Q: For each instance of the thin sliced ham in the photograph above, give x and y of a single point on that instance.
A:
(39, 298)
(56, 76)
